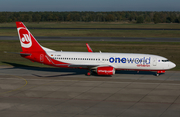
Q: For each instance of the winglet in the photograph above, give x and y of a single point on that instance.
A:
(88, 47)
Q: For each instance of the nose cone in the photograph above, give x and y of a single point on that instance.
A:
(171, 65)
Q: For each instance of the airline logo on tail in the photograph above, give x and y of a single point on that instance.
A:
(25, 37)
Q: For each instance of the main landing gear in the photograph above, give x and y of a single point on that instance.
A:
(89, 73)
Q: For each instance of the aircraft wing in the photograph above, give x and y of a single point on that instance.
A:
(87, 66)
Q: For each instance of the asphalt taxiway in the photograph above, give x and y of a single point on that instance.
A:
(34, 92)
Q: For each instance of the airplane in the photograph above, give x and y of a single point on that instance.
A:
(98, 62)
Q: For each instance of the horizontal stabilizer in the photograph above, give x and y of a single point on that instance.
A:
(26, 54)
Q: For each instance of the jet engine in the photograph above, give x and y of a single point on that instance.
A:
(105, 70)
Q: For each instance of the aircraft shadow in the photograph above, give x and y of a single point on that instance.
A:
(48, 69)
(135, 72)
(68, 70)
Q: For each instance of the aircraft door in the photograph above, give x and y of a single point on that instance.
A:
(41, 57)
(154, 61)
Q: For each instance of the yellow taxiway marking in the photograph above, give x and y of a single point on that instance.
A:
(16, 88)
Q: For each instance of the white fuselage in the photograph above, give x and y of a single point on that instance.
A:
(121, 61)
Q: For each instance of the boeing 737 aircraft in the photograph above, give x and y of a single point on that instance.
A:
(101, 63)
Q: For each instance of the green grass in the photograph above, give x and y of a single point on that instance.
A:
(94, 33)
(169, 50)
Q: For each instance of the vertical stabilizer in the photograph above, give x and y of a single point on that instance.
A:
(27, 40)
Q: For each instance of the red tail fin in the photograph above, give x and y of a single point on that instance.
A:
(28, 42)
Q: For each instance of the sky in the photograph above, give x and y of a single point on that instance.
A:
(90, 5)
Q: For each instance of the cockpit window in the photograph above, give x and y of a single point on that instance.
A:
(165, 60)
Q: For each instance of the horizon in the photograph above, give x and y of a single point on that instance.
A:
(85, 5)
(96, 11)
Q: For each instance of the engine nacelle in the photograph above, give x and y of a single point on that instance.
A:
(105, 70)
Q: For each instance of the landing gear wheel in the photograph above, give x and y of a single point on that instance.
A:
(89, 73)
(157, 74)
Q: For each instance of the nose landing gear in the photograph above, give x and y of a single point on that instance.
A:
(157, 74)
(160, 72)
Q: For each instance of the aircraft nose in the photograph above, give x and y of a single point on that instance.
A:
(172, 65)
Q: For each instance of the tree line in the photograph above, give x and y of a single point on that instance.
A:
(130, 16)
